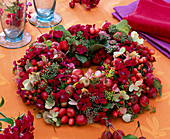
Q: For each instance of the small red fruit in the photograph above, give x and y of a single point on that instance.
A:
(70, 90)
(56, 45)
(33, 62)
(114, 114)
(56, 109)
(133, 99)
(81, 119)
(92, 30)
(105, 26)
(108, 83)
(139, 75)
(106, 135)
(71, 121)
(44, 95)
(151, 51)
(133, 79)
(117, 136)
(144, 101)
(78, 72)
(62, 111)
(70, 112)
(72, 4)
(86, 64)
(136, 108)
(64, 119)
(117, 36)
(64, 46)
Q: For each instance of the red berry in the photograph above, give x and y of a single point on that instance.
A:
(64, 46)
(114, 114)
(151, 51)
(27, 102)
(117, 36)
(62, 111)
(33, 62)
(105, 26)
(71, 121)
(44, 95)
(72, 4)
(144, 101)
(56, 109)
(136, 108)
(64, 119)
(92, 30)
(139, 75)
(70, 112)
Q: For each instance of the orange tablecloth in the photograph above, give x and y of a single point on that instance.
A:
(154, 126)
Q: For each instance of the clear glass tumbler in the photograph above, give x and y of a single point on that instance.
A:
(13, 16)
(44, 15)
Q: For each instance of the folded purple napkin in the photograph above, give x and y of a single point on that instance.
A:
(123, 11)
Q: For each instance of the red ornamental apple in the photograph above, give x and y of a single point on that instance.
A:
(105, 26)
(62, 111)
(81, 119)
(44, 95)
(74, 78)
(92, 30)
(86, 64)
(149, 79)
(71, 121)
(114, 114)
(64, 45)
(136, 108)
(70, 112)
(43, 37)
(70, 89)
(144, 101)
(151, 92)
(56, 45)
(56, 109)
(133, 98)
(108, 83)
(64, 119)
(106, 135)
(116, 135)
(78, 72)
(85, 81)
(72, 4)
(40, 64)
(33, 62)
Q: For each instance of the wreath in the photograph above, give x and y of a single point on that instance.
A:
(50, 77)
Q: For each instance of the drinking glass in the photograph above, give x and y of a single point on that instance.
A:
(44, 16)
(13, 16)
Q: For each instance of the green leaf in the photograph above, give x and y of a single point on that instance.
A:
(83, 59)
(96, 47)
(8, 120)
(2, 102)
(65, 32)
(123, 26)
(129, 137)
(48, 43)
(108, 105)
(158, 87)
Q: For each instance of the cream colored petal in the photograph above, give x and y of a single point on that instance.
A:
(131, 87)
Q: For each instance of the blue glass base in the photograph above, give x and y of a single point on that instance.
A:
(45, 23)
(17, 43)
(14, 40)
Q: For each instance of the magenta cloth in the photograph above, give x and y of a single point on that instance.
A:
(123, 11)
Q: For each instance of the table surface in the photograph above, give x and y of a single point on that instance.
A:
(154, 126)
